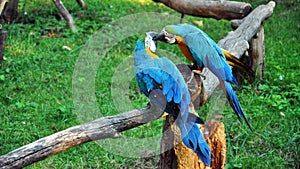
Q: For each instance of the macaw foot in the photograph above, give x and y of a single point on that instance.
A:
(195, 72)
(165, 114)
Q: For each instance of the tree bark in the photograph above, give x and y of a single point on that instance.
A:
(2, 43)
(257, 53)
(210, 9)
(9, 10)
(106, 127)
(237, 42)
(65, 13)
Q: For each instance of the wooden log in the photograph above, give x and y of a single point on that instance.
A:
(65, 13)
(2, 43)
(180, 156)
(9, 10)
(106, 127)
(210, 9)
(174, 154)
(257, 53)
(237, 42)
(2, 5)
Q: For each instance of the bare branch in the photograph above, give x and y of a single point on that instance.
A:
(106, 127)
(210, 9)
(237, 42)
(65, 13)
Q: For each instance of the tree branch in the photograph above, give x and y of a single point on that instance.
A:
(106, 127)
(65, 13)
(210, 9)
(236, 42)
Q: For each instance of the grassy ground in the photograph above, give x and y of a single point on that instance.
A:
(36, 86)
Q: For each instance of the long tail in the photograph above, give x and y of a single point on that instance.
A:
(192, 137)
(234, 103)
(235, 62)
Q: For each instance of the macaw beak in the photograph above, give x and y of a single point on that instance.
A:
(166, 37)
(161, 36)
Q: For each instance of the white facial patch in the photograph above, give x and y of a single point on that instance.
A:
(149, 43)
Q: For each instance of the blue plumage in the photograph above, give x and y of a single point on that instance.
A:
(162, 74)
(207, 54)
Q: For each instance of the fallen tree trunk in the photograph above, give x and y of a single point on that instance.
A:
(106, 127)
(237, 42)
(210, 9)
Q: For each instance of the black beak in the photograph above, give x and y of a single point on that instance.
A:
(166, 37)
(160, 37)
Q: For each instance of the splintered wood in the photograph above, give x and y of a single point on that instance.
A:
(181, 157)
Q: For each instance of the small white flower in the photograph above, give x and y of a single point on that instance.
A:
(281, 77)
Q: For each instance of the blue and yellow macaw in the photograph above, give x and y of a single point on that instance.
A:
(160, 74)
(199, 48)
(168, 37)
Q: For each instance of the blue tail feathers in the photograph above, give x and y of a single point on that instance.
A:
(192, 137)
(234, 103)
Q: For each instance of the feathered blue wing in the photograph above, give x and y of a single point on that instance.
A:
(161, 73)
(207, 54)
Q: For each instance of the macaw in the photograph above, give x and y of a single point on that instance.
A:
(165, 36)
(160, 75)
(199, 48)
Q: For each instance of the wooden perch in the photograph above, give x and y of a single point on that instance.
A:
(257, 53)
(65, 13)
(174, 154)
(2, 43)
(110, 127)
(210, 9)
(237, 42)
(106, 127)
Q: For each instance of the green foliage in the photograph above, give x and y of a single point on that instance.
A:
(36, 86)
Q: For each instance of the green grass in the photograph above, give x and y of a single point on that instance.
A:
(36, 87)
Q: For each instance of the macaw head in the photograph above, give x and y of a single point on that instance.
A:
(149, 42)
(166, 37)
(170, 32)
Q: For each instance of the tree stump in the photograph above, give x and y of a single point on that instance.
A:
(174, 154)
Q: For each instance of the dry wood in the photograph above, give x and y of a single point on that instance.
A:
(210, 9)
(2, 43)
(257, 53)
(65, 13)
(237, 42)
(109, 127)
(2, 5)
(106, 127)
(174, 154)
(9, 10)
